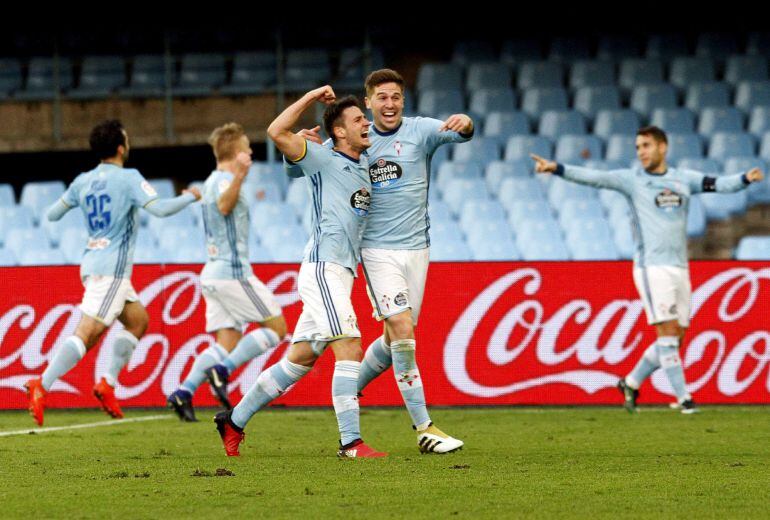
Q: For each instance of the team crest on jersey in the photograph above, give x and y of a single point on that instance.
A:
(385, 173)
(148, 189)
(668, 199)
(360, 201)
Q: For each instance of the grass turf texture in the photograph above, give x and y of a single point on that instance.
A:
(533, 462)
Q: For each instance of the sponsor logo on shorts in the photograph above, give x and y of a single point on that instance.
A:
(400, 299)
(352, 322)
(360, 201)
(385, 173)
(668, 199)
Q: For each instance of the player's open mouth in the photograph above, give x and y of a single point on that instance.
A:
(365, 134)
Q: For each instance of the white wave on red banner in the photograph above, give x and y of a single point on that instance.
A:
(490, 333)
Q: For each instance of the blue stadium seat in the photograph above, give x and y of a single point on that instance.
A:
(519, 50)
(7, 258)
(467, 52)
(10, 76)
(615, 47)
(572, 210)
(99, 77)
(615, 203)
(527, 188)
(666, 46)
(487, 230)
(696, 217)
(709, 94)
(684, 145)
(262, 172)
(73, 243)
(541, 240)
(635, 72)
(488, 76)
(590, 100)
(646, 98)
(751, 94)
(164, 187)
(753, 248)
(354, 64)
(186, 254)
(535, 101)
(262, 191)
(720, 206)
(561, 190)
(297, 196)
(200, 74)
(174, 237)
(685, 71)
(438, 211)
(30, 257)
(268, 213)
(521, 211)
(7, 198)
(674, 120)
(501, 125)
(601, 249)
(702, 165)
(497, 171)
(434, 103)
(569, 49)
(731, 144)
(153, 255)
(716, 45)
(454, 250)
(458, 191)
(620, 121)
(445, 230)
(621, 148)
(274, 235)
(758, 43)
(14, 217)
(184, 219)
(40, 79)
(592, 227)
(623, 238)
(540, 74)
(725, 119)
(745, 68)
(520, 146)
(253, 73)
(486, 100)
(259, 255)
(440, 76)
(591, 73)
(480, 149)
(758, 192)
(148, 77)
(600, 164)
(575, 149)
(55, 230)
(452, 170)
(38, 196)
(306, 69)
(764, 147)
(759, 121)
(476, 211)
(19, 240)
(556, 123)
(501, 249)
(439, 157)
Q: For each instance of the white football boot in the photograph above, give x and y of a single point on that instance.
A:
(433, 440)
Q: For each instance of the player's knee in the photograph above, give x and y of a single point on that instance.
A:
(348, 349)
(301, 354)
(400, 326)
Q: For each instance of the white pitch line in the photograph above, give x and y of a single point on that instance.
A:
(113, 422)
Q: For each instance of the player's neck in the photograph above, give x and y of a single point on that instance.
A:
(660, 169)
(115, 161)
(226, 166)
(344, 148)
(385, 131)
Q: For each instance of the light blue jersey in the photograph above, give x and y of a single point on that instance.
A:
(658, 204)
(400, 173)
(227, 237)
(110, 197)
(340, 194)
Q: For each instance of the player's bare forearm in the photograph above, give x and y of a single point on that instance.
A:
(229, 197)
(290, 144)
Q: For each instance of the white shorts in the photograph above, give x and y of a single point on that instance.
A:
(105, 297)
(395, 280)
(232, 304)
(327, 312)
(665, 292)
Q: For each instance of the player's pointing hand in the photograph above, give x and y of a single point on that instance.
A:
(457, 123)
(543, 165)
(311, 134)
(755, 175)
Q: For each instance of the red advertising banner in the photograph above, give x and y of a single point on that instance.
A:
(489, 333)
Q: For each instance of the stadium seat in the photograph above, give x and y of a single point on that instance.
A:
(567, 49)
(73, 243)
(520, 50)
(724, 145)
(684, 145)
(186, 254)
(666, 46)
(620, 122)
(720, 206)
(745, 68)
(497, 171)
(40, 85)
(705, 95)
(521, 211)
(38, 196)
(592, 226)
(520, 146)
(540, 74)
(262, 172)
(253, 73)
(487, 230)
(445, 230)
(486, 100)
(149, 256)
(440, 76)
(268, 213)
(623, 237)
(184, 219)
(297, 196)
(452, 170)
(454, 250)
(556, 123)
(200, 74)
(759, 121)
(10, 76)
(7, 258)
(19, 240)
(502, 125)
(468, 52)
(726, 119)
(480, 149)
(758, 192)
(306, 69)
(716, 45)
(541, 240)
(674, 120)
(575, 149)
(614, 203)
(272, 236)
(646, 98)
(148, 77)
(164, 187)
(599, 164)
(702, 165)
(621, 148)
(262, 191)
(7, 197)
(488, 76)
(29, 257)
(688, 70)
(477, 211)
(173, 238)
(354, 64)
(499, 249)
(439, 211)
(458, 191)
(573, 210)
(535, 101)
(260, 255)
(601, 249)
(751, 94)
(753, 248)
(434, 103)
(439, 157)
(764, 147)
(614, 47)
(55, 230)
(591, 73)
(560, 190)
(635, 72)
(99, 77)
(758, 43)
(589, 100)
(527, 188)
(14, 217)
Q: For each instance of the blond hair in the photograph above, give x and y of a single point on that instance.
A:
(224, 141)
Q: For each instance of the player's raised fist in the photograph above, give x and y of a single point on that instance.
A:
(457, 123)
(755, 175)
(543, 165)
(242, 164)
(195, 192)
(311, 134)
(324, 95)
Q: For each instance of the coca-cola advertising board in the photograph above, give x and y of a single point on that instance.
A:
(490, 333)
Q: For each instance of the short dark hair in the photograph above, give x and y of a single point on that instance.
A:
(654, 132)
(378, 77)
(106, 137)
(333, 113)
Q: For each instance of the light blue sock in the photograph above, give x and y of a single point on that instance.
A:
(66, 357)
(270, 384)
(376, 360)
(345, 399)
(214, 355)
(250, 346)
(668, 353)
(122, 348)
(409, 381)
(648, 364)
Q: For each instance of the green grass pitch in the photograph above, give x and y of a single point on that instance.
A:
(518, 462)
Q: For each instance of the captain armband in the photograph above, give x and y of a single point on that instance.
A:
(709, 184)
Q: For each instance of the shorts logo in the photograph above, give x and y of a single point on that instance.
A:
(148, 189)
(400, 299)
(385, 173)
(352, 323)
(360, 201)
(668, 199)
